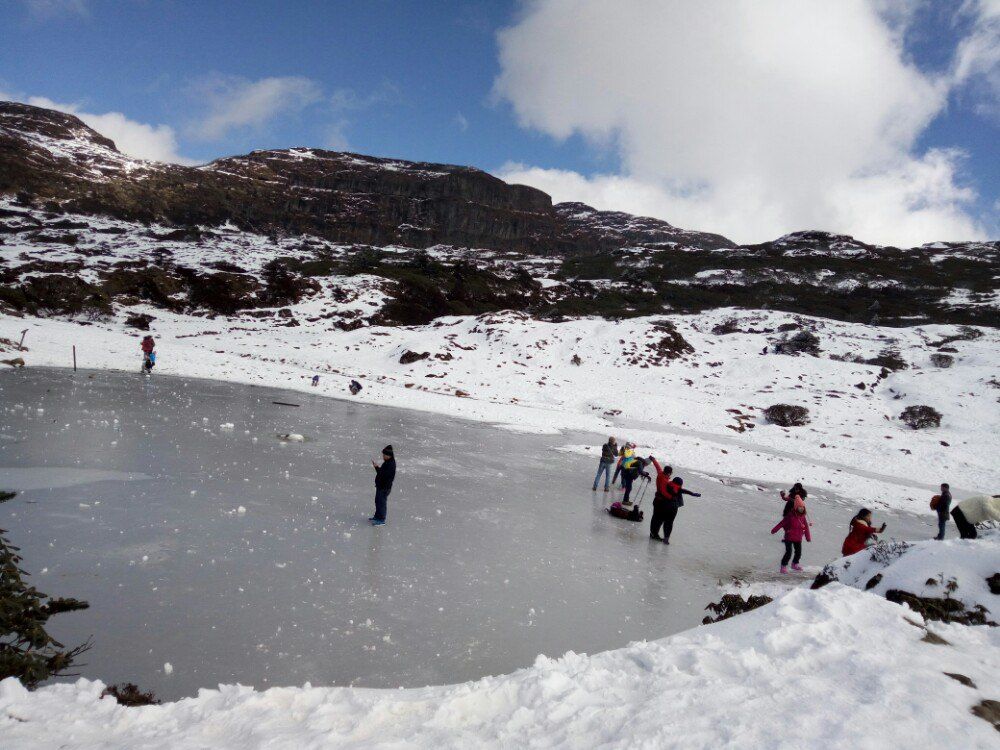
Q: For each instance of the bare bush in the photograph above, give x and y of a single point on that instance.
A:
(787, 415)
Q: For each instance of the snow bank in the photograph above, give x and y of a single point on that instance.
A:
(957, 568)
(834, 668)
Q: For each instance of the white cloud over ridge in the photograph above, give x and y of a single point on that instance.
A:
(136, 139)
(234, 103)
(752, 118)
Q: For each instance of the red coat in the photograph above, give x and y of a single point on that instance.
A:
(664, 486)
(147, 345)
(855, 541)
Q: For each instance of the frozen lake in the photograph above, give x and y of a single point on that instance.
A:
(495, 550)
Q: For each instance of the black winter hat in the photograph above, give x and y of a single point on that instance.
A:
(388, 450)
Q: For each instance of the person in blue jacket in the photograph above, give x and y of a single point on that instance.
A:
(384, 476)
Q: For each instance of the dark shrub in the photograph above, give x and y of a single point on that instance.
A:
(129, 694)
(733, 604)
(803, 342)
(140, 322)
(888, 358)
(787, 415)
(409, 357)
(942, 360)
(921, 417)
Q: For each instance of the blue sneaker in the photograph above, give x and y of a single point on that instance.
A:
(378, 522)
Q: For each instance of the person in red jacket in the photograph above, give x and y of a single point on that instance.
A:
(667, 501)
(796, 526)
(148, 355)
(861, 531)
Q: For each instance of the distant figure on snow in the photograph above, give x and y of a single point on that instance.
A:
(148, 354)
(796, 526)
(861, 530)
(354, 387)
(315, 380)
(942, 504)
(384, 476)
(609, 452)
(667, 501)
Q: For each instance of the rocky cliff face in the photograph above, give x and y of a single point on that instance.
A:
(342, 197)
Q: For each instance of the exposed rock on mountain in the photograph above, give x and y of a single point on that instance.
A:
(88, 228)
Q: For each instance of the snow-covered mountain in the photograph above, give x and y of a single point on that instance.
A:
(491, 245)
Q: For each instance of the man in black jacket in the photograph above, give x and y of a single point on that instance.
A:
(384, 476)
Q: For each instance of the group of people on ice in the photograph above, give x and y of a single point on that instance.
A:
(670, 490)
(669, 499)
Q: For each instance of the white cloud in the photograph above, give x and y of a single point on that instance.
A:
(137, 139)
(461, 122)
(344, 101)
(43, 10)
(748, 117)
(977, 62)
(234, 103)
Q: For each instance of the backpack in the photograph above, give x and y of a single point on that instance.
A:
(935, 502)
(625, 514)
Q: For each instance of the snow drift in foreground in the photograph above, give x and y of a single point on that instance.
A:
(836, 667)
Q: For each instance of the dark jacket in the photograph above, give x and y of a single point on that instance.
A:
(944, 504)
(385, 474)
(609, 453)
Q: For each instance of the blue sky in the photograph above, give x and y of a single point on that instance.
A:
(432, 81)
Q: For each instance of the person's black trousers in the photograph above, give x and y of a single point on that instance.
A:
(663, 516)
(627, 479)
(965, 529)
(381, 501)
(789, 548)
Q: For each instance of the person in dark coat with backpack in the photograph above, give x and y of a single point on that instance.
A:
(384, 476)
(943, 508)
(667, 501)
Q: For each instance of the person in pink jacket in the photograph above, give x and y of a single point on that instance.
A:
(796, 526)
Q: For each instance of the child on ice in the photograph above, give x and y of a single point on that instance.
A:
(796, 526)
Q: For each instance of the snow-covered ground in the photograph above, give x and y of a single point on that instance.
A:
(836, 667)
(511, 370)
(703, 408)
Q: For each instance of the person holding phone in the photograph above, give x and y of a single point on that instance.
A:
(384, 477)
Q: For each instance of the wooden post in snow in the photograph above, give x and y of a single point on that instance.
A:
(74, 357)
(23, 334)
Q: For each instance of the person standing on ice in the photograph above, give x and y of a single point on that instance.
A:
(796, 525)
(636, 469)
(384, 476)
(669, 499)
(624, 453)
(609, 451)
(148, 355)
(943, 509)
(789, 497)
(861, 531)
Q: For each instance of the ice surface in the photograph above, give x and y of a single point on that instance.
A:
(243, 558)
